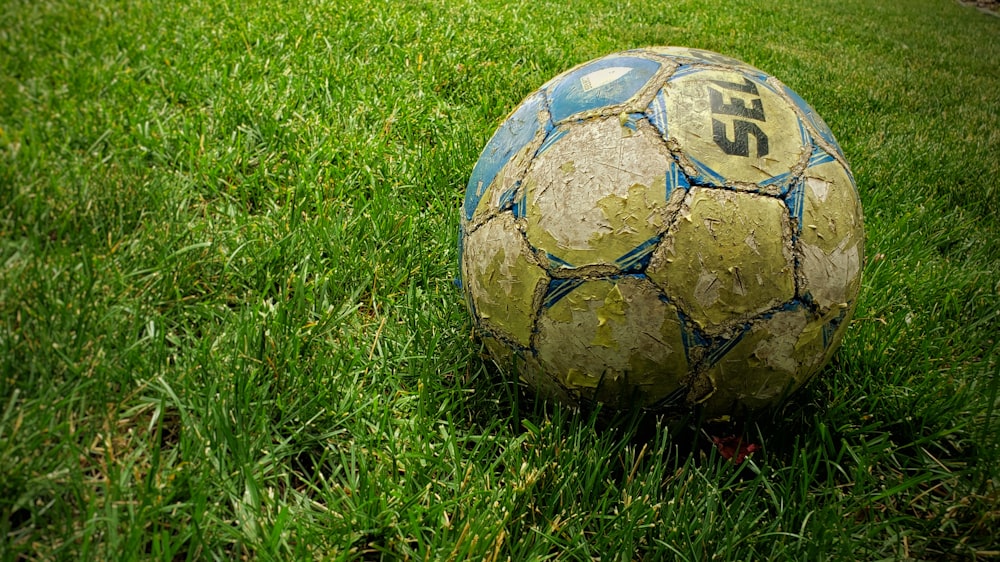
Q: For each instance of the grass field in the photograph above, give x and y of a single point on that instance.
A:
(228, 327)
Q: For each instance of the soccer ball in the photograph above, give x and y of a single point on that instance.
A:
(663, 228)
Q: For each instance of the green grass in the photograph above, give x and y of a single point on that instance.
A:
(228, 326)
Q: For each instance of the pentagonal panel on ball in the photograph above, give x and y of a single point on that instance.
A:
(613, 340)
(598, 192)
(727, 257)
(730, 126)
(768, 361)
(505, 285)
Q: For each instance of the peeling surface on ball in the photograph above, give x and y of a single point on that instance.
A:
(732, 127)
(831, 242)
(666, 228)
(613, 341)
(727, 257)
(506, 286)
(597, 193)
(768, 362)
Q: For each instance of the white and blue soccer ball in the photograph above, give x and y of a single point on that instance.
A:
(664, 228)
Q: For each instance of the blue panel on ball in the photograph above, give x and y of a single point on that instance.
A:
(657, 112)
(520, 206)
(675, 179)
(507, 197)
(795, 201)
(637, 259)
(690, 336)
(605, 82)
(705, 175)
(554, 136)
(559, 288)
(830, 329)
(819, 156)
(682, 71)
(516, 132)
(632, 121)
(720, 346)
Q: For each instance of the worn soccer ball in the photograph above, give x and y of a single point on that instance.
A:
(664, 228)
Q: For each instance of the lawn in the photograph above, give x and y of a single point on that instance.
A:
(229, 328)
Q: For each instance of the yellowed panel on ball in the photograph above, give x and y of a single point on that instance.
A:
(506, 286)
(732, 128)
(613, 341)
(831, 243)
(774, 358)
(598, 192)
(727, 257)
